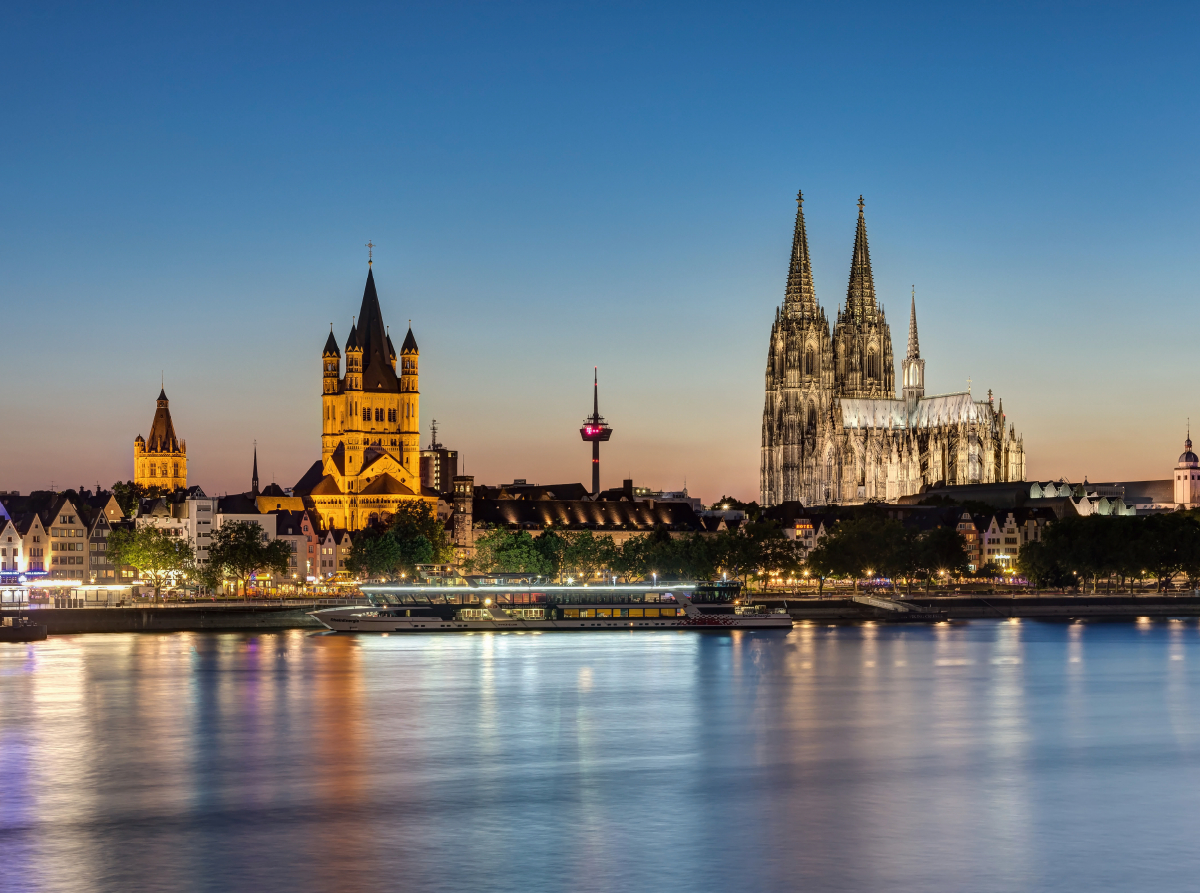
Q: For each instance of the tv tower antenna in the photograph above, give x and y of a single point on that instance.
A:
(595, 430)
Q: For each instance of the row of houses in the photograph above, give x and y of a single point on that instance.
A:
(59, 536)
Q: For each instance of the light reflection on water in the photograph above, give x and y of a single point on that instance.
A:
(988, 756)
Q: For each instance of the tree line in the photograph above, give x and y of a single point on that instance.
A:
(1115, 549)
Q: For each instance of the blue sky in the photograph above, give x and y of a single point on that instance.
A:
(553, 187)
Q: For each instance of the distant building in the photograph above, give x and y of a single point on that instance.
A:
(628, 492)
(439, 466)
(161, 459)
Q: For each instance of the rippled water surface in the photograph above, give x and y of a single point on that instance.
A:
(986, 756)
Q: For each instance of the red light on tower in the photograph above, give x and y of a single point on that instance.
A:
(595, 430)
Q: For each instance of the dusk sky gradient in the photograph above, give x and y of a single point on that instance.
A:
(557, 187)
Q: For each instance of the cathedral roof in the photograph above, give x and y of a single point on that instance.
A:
(310, 479)
(410, 343)
(331, 348)
(800, 295)
(162, 437)
(378, 374)
(928, 412)
(860, 293)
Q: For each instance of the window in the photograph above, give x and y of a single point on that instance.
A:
(379, 415)
(366, 413)
(392, 415)
(152, 474)
(810, 362)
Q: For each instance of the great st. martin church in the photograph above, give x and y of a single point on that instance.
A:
(833, 429)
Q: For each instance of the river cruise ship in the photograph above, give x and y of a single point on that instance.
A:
(694, 606)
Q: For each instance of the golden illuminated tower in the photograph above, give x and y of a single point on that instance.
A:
(161, 459)
(410, 404)
(370, 425)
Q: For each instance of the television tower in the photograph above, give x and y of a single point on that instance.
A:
(595, 429)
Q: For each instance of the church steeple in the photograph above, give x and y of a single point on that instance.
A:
(801, 297)
(254, 474)
(860, 294)
(914, 347)
(913, 368)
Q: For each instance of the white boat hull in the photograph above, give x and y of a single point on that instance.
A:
(352, 620)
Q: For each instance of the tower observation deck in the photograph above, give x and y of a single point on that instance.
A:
(595, 430)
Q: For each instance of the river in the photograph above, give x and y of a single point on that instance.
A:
(994, 755)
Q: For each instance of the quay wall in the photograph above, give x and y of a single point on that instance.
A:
(992, 606)
(61, 621)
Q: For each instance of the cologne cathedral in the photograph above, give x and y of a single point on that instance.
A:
(833, 429)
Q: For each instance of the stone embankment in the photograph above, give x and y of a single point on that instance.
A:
(175, 618)
(999, 605)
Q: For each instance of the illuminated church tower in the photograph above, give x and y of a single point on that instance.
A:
(370, 424)
(161, 459)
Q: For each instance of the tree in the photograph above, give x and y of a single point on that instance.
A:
(501, 551)
(414, 521)
(129, 495)
(158, 556)
(854, 546)
(943, 549)
(374, 553)
(240, 549)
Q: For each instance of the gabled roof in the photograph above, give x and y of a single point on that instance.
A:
(311, 478)
(386, 484)
(238, 504)
(288, 523)
(327, 486)
(339, 458)
(272, 489)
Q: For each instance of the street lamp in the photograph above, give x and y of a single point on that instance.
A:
(654, 574)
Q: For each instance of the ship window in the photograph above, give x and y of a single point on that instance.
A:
(603, 612)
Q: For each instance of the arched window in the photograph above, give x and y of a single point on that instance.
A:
(810, 362)
(812, 418)
(872, 365)
(153, 470)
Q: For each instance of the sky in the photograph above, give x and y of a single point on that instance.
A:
(185, 192)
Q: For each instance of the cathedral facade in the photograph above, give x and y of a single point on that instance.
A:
(834, 430)
(370, 425)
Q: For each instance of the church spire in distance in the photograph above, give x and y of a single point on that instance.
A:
(860, 294)
(801, 297)
(914, 348)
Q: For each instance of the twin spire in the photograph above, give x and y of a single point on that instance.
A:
(801, 297)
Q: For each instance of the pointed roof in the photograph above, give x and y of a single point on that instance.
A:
(331, 348)
(254, 475)
(410, 343)
(860, 294)
(391, 347)
(378, 374)
(914, 348)
(162, 394)
(352, 342)
(162, 437)
(800, 296)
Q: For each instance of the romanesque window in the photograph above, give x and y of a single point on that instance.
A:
(392, 413)
(366, 413)
(379, 415)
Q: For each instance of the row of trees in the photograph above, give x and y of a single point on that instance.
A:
(412, 536)
(582, 555)
(1116, 549)
(238, 551)
(869, 546)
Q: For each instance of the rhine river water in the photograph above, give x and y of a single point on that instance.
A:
(976, 757)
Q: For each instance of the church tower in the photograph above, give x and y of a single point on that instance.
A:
(799, 380)
(862, 341)
(913, 374)
(161, 459)
(410, 403)
(1187, 477)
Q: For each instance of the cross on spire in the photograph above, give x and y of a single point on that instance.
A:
(800, 197)
(860, 204)
(370, 247)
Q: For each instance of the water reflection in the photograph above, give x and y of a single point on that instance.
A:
(986, 756)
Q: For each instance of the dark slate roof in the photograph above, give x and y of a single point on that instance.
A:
(162, 437)
(352, 339)
(535, 492)
(162, 393)
(331, 348)
(238, 504)
(580, 514)
(272, 489)
(1141, 492)
(311, 478)
(378, 374)
(288, 523)
(391, 349)
(410, 343)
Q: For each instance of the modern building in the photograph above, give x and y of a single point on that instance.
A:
(161, 459)
(833, 429)
(439, 466)
(370, 426)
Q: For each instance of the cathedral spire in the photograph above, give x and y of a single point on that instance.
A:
(254, 474)
(800, 292)
(860, 294)
(914, 348)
